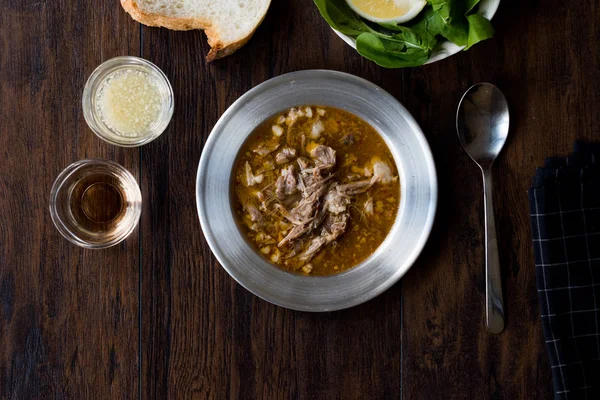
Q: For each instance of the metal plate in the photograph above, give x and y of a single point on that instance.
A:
(417, 179)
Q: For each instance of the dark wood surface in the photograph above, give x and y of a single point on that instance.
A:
(157, 317)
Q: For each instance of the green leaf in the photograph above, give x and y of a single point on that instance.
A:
(454, 27)
(428, 21)
(457, 31)
(480, 28)
(340, 16)
(438, 4)
(415, 38)
(470, 5)
(391, 26)
(391, 53)
(444, 11)
(425, 26)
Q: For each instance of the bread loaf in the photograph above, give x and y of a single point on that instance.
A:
(228, 24)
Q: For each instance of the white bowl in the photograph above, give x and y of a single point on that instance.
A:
(445, 49)
(417, 202)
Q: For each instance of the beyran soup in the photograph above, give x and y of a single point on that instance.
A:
(316, 190)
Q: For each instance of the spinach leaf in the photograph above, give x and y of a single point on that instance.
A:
(428, 21)
(480, 28)
(402, 50)
(470, 4)
(442, 8)
(340, 16)
(457, 28)
(415, 38)
(437, 4)
(428, 26)
(457, 31)
(445, 18)
(451, 20)
(390, 26)
(417, 34)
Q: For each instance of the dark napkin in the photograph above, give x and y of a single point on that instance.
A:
(565, 222)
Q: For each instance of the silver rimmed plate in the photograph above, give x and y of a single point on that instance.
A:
(417, 179)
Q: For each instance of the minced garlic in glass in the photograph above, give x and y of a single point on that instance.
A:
(129, 102)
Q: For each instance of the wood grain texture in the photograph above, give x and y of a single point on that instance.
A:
(552, 92)
(204, 336)
(69, 324)
(68, 317)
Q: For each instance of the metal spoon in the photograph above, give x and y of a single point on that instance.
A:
(482, 125)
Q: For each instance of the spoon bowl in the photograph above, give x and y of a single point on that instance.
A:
(482, 122)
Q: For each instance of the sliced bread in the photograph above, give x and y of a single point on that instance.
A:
(228, 24)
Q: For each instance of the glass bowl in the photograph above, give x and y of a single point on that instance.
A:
(100, 78)
(95, 203)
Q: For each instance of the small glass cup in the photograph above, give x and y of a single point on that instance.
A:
(95, 203)
(100, 78)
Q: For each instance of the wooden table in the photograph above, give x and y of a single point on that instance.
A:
(157, 317)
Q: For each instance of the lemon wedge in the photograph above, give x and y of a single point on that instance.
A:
(397, 11)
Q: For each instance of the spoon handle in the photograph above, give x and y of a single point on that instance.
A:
(494, 308)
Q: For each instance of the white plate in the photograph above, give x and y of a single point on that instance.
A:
(445, 49)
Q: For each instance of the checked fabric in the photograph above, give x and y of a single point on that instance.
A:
(565, 221)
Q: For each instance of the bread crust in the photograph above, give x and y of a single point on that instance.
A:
(218, 49)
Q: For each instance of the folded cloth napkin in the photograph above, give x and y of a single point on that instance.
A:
(565, 222)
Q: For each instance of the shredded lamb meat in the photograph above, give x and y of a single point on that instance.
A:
(296, 193)
(285, 155)
(323, 156)
(286, 183)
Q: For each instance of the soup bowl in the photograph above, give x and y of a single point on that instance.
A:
(407, 236)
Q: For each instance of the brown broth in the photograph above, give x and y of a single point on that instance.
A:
(356, 144)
